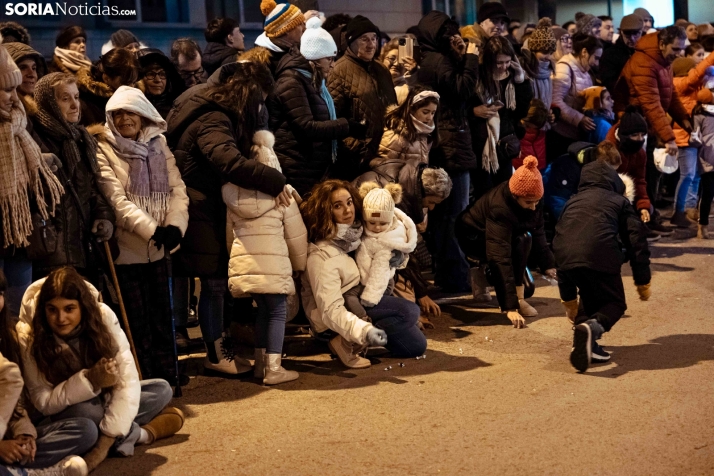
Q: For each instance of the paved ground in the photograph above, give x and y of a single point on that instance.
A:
(488, 399)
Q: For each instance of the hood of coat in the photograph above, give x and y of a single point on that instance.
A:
(431, 28)
(188, 107)
(393, 240)
(216, 53)
(292, 60)
(582, 152)
(87, 83)
(29, 300)
(133, 100)
(649, 45)
(600, 175)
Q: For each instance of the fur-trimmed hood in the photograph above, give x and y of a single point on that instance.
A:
(86, 82)
(629, 187)
(258, 54)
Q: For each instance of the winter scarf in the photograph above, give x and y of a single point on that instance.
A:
(348, 236)
(148, 185)
(421, 127)
(325, 95)
(22, 171)
(72, 60)
(51, 121)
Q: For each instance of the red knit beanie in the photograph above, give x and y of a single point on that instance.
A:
(527, 181)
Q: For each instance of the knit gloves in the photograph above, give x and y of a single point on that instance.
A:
(52, 161)
(103, 374)
(102, 229)
(644, 291)
(376, 337)
(169, 236)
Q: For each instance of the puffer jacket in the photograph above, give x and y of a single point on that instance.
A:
(635, 166)
(612, 61)
(455, 81)
(648, 85)
(74, 225)
(688, 88)
(597, 222)
(330, 273)
(267, 242)
(209, 153)
(569, 81)
(375, 251)
(121, 404)
(11, 384)
(704, 121)
(499, 218)
(93, 97)
(395, 146)
(533, 144)
(216, 55)
(300, 120)
(134, 225)
(362, 91)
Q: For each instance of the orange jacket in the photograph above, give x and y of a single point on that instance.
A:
(650, 87)
(687, 88)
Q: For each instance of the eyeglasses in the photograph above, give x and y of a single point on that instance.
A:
(151, 75)
(392, 59)
(198, 73)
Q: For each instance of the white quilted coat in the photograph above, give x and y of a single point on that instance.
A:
(121, 404)
(374, 253)
(267, 243)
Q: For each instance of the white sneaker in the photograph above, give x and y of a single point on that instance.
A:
(227, 361)
(70, 466)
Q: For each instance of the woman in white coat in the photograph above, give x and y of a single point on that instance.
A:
(140, 179)
(77, 363)
(267, 242)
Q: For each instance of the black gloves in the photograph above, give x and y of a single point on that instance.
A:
(168, 236)
(357, 129)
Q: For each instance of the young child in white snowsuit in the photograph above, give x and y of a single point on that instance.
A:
(386, 230)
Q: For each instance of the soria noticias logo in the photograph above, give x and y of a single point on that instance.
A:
(62, 8)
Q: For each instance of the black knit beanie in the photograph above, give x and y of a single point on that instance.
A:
(68, 34)
(632, 122)
(357, 27)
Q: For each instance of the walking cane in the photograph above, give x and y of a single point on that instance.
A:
(122, 310)
(169, 273)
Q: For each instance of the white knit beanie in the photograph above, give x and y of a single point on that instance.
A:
(379, 202)
(316, 43)
(10, 76)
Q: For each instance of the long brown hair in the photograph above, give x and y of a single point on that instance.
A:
(8, 338)
(317, 209)
(495, 46)
(95, 339)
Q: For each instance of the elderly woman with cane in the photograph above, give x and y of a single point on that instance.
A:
(142, 183)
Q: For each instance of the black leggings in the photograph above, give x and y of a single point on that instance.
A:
(706, 187)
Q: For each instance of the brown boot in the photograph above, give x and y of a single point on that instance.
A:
(165, 424)
(100, 451)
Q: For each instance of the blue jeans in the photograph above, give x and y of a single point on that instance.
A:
(210, 305)
(452, 269)
(56, 441)
(686, 194)
(155, 395)
(398, 318)
(18, 272)
(270, 324)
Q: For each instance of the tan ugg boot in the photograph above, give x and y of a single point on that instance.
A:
(165, 424)
(571, 309)
(274, 371)
(702, 232)
(525, 309)
(100, 451)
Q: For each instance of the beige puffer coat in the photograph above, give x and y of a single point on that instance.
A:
(396, 146)
(11, 385)
(267, 243)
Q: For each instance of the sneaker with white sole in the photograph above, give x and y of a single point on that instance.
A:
(599, 355)
(70, 466)
(345, 352)
(581, 353)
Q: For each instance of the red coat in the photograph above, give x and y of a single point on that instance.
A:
(533, 143)
(649, 85)
(633, 165)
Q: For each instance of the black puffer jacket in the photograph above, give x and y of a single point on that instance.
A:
(362, 92)
(597, 222)
(455, 81)
(499, 218)
(74, 225)
(217, 54)
(301, 122)
(611, 64)
(210, 152)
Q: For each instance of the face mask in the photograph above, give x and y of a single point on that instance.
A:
(630, 146)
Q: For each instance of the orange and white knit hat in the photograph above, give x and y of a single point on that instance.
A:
(280, 18)
(527, 182)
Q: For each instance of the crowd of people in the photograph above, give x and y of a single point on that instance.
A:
(320, 174)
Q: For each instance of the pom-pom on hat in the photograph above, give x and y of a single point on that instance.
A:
(527, 182)
(316, 43)
(280, 18)
(378, 203)
(542, 39)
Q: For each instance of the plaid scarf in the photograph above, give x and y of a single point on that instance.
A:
(22, 171)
